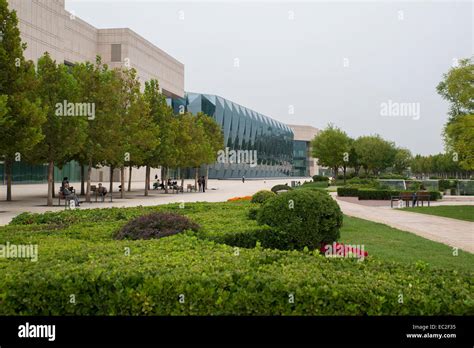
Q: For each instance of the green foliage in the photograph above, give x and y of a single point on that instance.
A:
(330, 147)
(369, 194)
(460, 139)
(252, 214)
(21, 115)
(214, 135)
(318, 185)
(439, 165)
(458, 90)
(374, 153)
(281, 187)
(363, 183)
(262, 196)
(460, 212)
(447, 184)
(304, 218)
(218, 279)
(320, 178)
(347, 191)
(402, 160)
(376, 194)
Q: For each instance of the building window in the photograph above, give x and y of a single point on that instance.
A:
(116, 54)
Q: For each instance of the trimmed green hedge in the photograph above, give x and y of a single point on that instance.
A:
(217, 279)
(369, 194)
(262, 196)
(82, 259)
(347, 191)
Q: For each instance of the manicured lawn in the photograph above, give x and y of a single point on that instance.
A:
(388, 243)
(460, 212)
(78, 255)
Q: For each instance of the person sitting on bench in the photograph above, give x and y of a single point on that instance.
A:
(68, 193)
(101, 191)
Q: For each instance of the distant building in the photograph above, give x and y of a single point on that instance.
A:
(262, 147)
(303, 162)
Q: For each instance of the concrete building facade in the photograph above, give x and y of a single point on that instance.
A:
(46, 26)
(303, 162)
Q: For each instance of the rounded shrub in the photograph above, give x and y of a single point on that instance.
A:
(303, 218)
(156, 225)
(281, 187)
(323, 178)
(252, 213)
(262, 196)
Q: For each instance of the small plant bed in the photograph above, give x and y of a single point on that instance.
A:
(459, 212)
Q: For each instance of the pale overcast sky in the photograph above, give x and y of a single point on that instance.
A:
(328, 61)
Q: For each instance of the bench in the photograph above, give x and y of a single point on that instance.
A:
(67, 200)
(178, 189)
(94, 189)
(406, 197)
(422, 197)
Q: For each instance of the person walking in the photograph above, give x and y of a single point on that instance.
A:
(200, 183)
(203, 182)
(243, 179)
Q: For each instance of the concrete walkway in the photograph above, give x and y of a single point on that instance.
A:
(455, 233)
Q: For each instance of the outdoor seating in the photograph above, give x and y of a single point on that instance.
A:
(66, 199)
(94, 189)
(406, 197)
(422, 197)
(177, 189)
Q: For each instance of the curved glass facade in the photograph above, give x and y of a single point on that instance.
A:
(263, 147)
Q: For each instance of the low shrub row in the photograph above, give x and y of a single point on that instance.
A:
(372, 194)
(344, 191)
(183, 275)
(262, 196)
(322, 178)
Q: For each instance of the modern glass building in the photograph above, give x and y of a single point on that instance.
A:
(262, 147)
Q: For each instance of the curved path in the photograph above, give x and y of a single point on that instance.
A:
(453, 232)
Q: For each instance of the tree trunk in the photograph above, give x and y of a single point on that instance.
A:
(88, 189)
(122, 182)
(181, 176)
(130, 179)
(196, 174)
(207, 175)
(111, 179)
(166, 179)
(50, 183)
(54, 191)
(147, 179)
(8, 172)
(82, 180)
